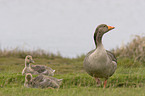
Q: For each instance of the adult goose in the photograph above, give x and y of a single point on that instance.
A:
(41, 81)
(99, 62)
(36, 69)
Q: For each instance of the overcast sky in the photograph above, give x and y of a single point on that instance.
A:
(68, 26)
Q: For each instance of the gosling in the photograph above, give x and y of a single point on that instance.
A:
(41, 81)
(36, 69)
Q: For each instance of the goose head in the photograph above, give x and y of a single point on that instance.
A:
(100, 31)
(28, 60)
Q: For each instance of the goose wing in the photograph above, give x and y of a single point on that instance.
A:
(111, 56)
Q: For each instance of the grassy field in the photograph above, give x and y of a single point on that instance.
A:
(129, 79)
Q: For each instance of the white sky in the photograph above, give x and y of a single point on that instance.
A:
(68, 26)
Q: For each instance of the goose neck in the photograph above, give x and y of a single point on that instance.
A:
(98, 39)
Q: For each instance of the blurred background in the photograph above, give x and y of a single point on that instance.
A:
(67, 26)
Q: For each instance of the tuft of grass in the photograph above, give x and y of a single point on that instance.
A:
(134, 49)
(129, 62)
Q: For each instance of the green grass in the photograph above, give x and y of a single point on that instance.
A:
(128, 80)
(80, 91)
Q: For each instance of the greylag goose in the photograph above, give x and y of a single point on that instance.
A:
(36, 69)
(100, 63)
(41, 81)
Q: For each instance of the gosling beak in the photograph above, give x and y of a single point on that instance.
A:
(110, 27)
(60, 79)
(32, 61)
(53, 71)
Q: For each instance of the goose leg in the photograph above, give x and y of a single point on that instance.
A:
(105, 82)
(98, 81)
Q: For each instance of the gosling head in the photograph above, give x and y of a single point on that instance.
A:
(28, 77)
(28, 80)
(28, 60)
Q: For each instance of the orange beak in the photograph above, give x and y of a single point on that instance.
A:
(110, 27)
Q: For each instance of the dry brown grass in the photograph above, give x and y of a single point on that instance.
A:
(22, 53)
(134, 49)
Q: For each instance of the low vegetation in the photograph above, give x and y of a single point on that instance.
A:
(134, 49)
(128, 79)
